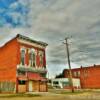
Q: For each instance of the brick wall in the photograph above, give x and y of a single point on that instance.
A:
(89, 76)
(8, 61)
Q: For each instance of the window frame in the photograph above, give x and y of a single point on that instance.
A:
(21, 62)
(41, 56)
(32, 60)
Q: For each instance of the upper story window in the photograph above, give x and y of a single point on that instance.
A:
(23, 56)
(32, 58)
(78, 73)
(75, 74)
(41, 57)
(67, 72)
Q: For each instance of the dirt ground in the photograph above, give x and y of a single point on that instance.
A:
(54, 96)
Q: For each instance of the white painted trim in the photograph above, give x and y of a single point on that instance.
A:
(33, 51)
(32, 44)
(35, 69)
(42, 54)
(23, 48)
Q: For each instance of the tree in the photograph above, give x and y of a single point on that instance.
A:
(61, 75)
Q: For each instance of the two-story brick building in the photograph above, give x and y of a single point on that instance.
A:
(23, 65)
(89, 76)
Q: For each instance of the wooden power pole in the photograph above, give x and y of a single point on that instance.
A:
(68, 57)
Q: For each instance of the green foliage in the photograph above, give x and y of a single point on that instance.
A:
(61, 75)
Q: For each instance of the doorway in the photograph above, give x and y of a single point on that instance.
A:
(30, 86)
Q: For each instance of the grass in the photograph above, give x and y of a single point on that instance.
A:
(72, 93)
(59, 91)
(18, 95)
(55, 91)
(68, 92)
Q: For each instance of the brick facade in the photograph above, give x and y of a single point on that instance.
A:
(89, 76)
(10, 63)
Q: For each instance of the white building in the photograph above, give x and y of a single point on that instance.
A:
(64, 82)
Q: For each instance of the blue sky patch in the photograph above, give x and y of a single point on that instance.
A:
(6, 3)
(13, 13)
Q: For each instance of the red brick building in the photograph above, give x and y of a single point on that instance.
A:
(23, 65)
(89, 76)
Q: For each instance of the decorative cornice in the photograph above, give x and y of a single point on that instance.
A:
(29, 43)
(27, 40)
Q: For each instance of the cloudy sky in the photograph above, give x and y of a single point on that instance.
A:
(51, 21)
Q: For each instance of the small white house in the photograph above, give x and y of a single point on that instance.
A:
(63, 82)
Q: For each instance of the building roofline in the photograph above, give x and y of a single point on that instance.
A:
(19, 36)
(94, 66)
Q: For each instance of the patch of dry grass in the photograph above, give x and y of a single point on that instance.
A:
(18, 95)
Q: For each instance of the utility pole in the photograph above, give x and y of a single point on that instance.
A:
(68, 57)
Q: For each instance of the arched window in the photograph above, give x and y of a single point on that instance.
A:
(32, 58)
(23, 56)
(41, 57)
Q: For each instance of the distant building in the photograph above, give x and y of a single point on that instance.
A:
(89, 76)
(64, 83)
(23, 65)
